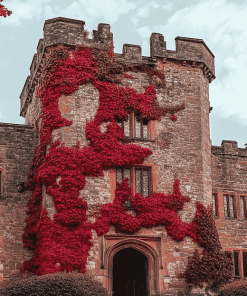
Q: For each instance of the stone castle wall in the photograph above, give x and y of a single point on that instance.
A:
(229, 175)
(17, 145)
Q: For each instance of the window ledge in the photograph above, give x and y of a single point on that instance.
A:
(139, 139)
(231, 218)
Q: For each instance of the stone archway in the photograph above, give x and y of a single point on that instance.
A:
(130, 273)
(145, 249)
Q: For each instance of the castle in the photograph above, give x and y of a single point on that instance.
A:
(158, 130)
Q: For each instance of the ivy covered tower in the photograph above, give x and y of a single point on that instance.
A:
(120, 182)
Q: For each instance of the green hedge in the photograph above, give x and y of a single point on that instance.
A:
(66, 284)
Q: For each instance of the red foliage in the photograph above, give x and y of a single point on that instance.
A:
(67, 239)
(157, 209)
(4, 11)
(213, 265)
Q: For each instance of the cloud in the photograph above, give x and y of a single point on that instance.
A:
(232, 128)
(168, 6)
(107, 11)
(144, 32)
(144, 11)
(23, 11)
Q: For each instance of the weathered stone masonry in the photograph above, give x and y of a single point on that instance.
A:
(180, 149)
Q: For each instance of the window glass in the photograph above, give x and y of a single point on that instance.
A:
(138, 181)
(245, 263)
(232, 212)
(145, 183)
(137, 126)
(225, 206)
(236, 265)
(127, 175)
(214, 205)
(243, 206)
(127, 126)
(141, 182)
(119, 175)
(145, 128)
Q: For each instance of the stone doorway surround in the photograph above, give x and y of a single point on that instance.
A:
(150, 246)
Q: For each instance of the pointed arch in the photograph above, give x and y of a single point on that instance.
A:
(144, 248)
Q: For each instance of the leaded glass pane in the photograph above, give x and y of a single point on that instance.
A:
(145, 128)
(119, 175)
(145, 183)
(236, 265)
(225, 206)
(127, 175)
(214, 207)
(137, 126)
(231, 207)
(127, 126)
(138, 181)
(245, 263)
(242, 206)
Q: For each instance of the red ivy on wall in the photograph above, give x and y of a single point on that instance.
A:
(64, 243)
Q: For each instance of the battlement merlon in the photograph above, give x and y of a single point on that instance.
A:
(71, 32)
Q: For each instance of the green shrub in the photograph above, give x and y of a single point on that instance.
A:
(64, 284)
(236, 288)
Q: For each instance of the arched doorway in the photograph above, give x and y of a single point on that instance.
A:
(130, 273)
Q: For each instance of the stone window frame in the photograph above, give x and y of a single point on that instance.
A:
(242, 270)
(132, 181)
(131, 123)
(228, 206)
(243, 210)
(215, 201)
(142, 244)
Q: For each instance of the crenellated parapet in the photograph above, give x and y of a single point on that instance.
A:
(195, 50)
(31, 81)
(229, 148)
(60, 30)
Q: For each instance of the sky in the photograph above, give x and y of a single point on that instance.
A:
(222, 24)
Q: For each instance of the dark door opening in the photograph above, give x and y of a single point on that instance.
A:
(130, 273)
